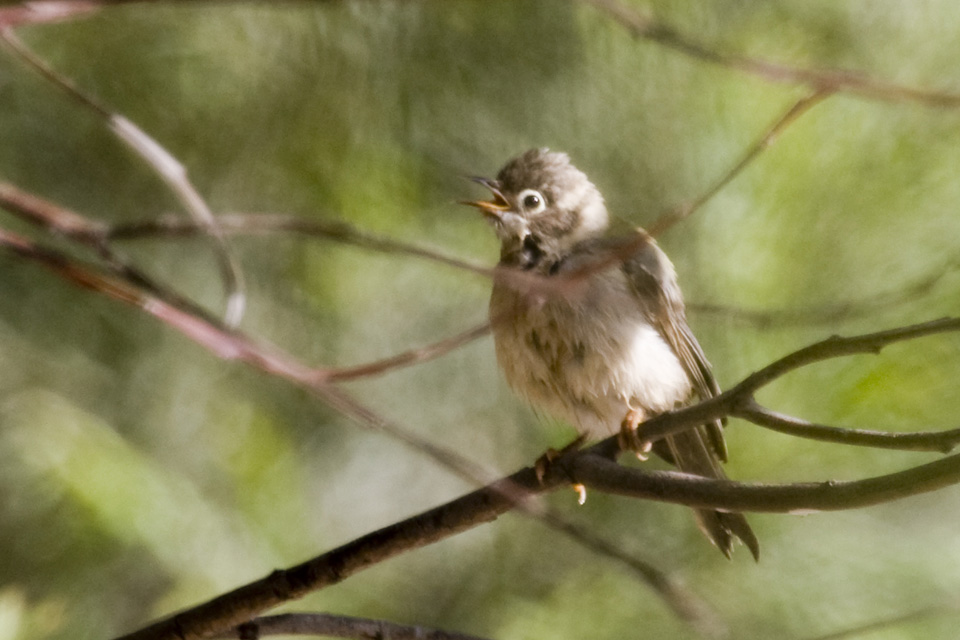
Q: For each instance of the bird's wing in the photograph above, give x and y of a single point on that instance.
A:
(652, 277)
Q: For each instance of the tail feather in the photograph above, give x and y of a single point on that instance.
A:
(690, 453)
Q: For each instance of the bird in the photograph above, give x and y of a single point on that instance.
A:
(590, 327)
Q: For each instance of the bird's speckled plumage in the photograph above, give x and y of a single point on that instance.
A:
(594, 348)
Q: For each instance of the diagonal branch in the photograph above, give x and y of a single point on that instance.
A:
(488, 503)
(643, 26)
(159, 160)
(769, 137)
(331, 626)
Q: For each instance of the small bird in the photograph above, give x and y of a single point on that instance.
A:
(591, 328)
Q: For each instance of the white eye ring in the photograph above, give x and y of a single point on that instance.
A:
(531, 201)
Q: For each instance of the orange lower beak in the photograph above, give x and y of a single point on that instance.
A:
(490, 208)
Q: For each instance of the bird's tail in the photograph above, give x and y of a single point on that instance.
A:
(691, 454)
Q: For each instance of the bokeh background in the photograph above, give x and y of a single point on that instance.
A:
(139, 474)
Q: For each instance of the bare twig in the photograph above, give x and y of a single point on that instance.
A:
(828, 313)
(409, 358)
(642, 26)
(740, 396)
(941, 441)
(331, 626)
(878, 625)
(765, 141)
(62, 221)
(161, 161)
(238, 223)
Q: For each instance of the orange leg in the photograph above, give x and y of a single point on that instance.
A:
(542, 465)
(629, 439)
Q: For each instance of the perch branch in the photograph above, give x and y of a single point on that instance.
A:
(331, 626)
(486, 504)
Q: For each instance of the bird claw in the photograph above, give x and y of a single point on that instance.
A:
(581, 493)
(629, 438)
(544, 462)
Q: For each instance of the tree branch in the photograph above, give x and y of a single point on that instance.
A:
(163, 163)
(486, 504)
(642, 26)
(941, 441)
(331, 626)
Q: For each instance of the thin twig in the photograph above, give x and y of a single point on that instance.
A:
(765, 141)
(887, 623)
(62, 221)
(642, 26)
(409, 358)
(238, 223)
(940, 441)
(162, 162)
(836, 346)
(833, 312)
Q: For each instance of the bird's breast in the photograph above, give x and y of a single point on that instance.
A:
(586, 357)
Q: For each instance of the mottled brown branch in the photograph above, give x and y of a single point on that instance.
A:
(829, 80)
(485, 505)
(331, 626)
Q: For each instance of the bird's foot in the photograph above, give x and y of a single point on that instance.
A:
(629, 438)
(544, 462)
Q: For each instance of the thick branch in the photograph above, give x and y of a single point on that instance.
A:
(330, 626)
(236, 607)
(485, 505)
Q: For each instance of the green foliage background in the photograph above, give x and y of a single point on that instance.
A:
(139, 474)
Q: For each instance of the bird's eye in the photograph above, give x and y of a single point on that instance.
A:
(532, 201)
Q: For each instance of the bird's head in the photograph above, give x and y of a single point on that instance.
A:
(541, 207)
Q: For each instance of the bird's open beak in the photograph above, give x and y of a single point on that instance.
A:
(490, 208)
